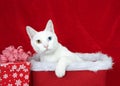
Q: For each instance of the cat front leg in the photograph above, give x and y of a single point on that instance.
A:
(61, 67)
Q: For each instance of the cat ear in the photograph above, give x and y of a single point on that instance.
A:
(30, 31)
(49, 26)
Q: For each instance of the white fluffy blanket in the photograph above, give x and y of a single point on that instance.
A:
(92, 62)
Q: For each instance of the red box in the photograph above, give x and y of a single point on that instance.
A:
(14, 74)
(72, 78)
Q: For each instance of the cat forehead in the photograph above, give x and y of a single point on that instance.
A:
(42, 34)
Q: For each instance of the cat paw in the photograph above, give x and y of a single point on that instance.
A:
(60, 72)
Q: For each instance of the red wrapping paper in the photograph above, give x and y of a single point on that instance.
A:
(15, 74)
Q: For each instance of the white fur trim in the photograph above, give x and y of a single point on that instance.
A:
(101, 62)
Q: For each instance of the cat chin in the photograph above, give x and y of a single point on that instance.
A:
(45, 52)
(48, 52)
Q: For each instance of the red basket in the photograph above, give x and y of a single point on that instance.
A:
(72, 78)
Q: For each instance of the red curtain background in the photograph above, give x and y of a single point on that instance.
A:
(81, 25)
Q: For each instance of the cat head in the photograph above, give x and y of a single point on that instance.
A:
(43, 42)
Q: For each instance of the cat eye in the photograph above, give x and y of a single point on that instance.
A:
(49, 38)
(38, 41)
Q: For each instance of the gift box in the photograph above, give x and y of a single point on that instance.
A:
(89, 73)
(14, 67)
(15, 74)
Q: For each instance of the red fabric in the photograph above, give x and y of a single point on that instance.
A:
(81, 25)
(74, 78)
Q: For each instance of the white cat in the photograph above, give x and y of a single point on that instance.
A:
(46, 44)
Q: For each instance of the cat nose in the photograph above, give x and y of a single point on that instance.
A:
(46, 46)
